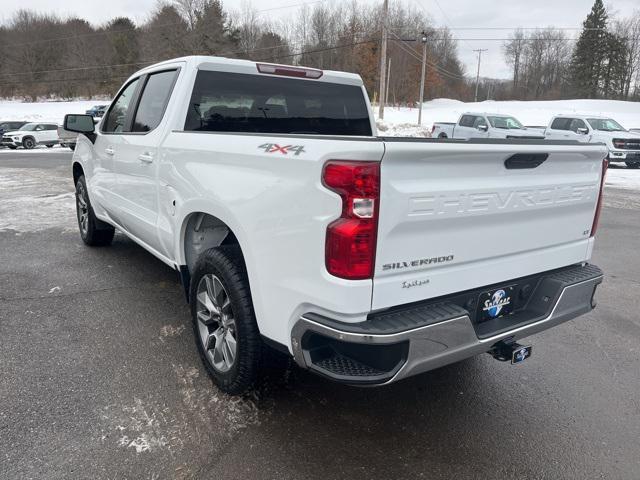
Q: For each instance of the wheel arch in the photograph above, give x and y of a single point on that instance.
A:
(78, 171)
(201, 230)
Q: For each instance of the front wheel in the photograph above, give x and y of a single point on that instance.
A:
(29, 143)
(633, 164)
(224, 322)
(93, 231)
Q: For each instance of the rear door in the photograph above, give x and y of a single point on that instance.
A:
(464, 127)
(136, 161)
(454, 217)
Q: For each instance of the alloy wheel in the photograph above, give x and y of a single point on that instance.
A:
(216, 323)
(82, 208)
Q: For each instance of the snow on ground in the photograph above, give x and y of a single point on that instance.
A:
(623, 178)
(34, 199)
(43, 111)
(531, 113)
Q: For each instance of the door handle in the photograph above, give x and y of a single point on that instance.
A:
(145, 157)
(109, 151)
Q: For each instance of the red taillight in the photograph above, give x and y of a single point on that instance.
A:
(596, 218)
(288, 71)
(350, 247)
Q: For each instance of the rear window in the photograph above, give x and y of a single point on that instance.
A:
(561, 123)
(235, 102)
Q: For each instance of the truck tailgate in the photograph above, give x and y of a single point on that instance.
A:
(456, 216)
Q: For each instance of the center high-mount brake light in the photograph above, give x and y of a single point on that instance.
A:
(596, 218)
(350, 248)
(288, 71)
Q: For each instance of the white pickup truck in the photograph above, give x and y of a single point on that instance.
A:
(294, 227)
(484, 125)
(623, 145)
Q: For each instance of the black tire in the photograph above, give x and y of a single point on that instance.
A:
(227, 265)
(50, 145)
(12, 147)
(29, 143)
(93, 231)
(442, 135)
(633, 164)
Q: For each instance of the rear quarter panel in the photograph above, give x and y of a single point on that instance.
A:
(278, 209)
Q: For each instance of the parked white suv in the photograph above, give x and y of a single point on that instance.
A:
(293, 226)
(624, 146)
(32, 134)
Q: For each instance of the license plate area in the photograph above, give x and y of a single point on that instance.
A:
(496, 303)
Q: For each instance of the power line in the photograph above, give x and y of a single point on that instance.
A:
(438, 68)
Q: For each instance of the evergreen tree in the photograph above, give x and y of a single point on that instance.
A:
(588, 63)
(615, 72)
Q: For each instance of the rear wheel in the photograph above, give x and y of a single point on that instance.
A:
(93, 231)
(633, 164)
(442, 135)
(50, 145)
(28, 143)
(12, 147)
(224, 322)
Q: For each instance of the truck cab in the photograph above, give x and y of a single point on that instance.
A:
(623, 145)
(484, 125)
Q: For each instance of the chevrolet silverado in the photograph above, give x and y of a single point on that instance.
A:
(295, 227)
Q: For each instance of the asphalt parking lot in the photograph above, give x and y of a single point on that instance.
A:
(100, 378)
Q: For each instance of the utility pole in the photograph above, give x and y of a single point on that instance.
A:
(480, 50)
(386, 90)
(383, 59)
(424, 67)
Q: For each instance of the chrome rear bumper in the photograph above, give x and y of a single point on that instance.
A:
(432, 345)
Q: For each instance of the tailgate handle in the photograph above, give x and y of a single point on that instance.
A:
(525, 160)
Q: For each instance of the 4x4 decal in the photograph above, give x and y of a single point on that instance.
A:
(274, 147)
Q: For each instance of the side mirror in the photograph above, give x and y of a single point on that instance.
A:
(79, 123)
(483, 128)
(582, 131)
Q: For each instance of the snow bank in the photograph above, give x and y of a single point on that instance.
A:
(43, 111)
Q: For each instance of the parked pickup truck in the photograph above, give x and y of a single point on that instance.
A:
(294, 227)
(67, 138)
(484, 125)
(623, 145)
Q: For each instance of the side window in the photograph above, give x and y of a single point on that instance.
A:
(576, 124)
(39, 128)
(479, 121)
(154, 100)
(561, 124)
(466, 121)
(117, 116)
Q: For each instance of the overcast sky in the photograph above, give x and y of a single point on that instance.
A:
(500, 15)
